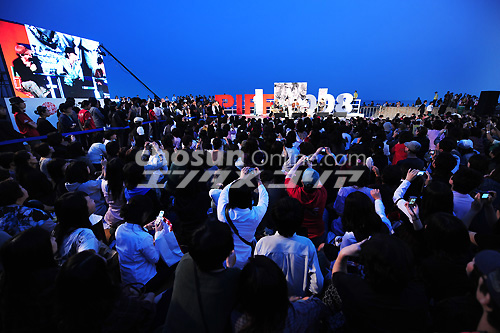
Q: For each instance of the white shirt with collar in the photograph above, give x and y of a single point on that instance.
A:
(297, 258)
(461, 204)
(245, 220)
(137, 253)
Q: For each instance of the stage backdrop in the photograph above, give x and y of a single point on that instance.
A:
(285, 93)
(52, 104)
(46, 63)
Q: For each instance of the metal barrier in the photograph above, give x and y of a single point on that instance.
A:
(370, 111)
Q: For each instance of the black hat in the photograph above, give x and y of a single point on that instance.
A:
(16, 100)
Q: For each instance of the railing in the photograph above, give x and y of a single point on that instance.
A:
(370, 111)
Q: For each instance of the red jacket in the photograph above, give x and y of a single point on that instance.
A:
(399, 153)
(22, 120)
(314, 205)
(85, 117)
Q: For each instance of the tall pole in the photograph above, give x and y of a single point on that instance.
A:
(128, 70)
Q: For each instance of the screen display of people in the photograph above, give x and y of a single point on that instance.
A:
(44, 63)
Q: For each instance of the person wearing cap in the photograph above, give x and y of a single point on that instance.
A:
(412, 161)
(486, 265)
(466, 149)
(27, 66)
(25, 124)
(312, 195)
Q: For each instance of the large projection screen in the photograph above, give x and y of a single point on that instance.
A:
(45, 63)
(288, 93)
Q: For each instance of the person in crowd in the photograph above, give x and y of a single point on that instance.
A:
(73, 233)
(78, 179)
(113, 190)
(262, 276)
(88, 300)
(14, 217)
(97, 116)
(45, 152)
(235, 207)
(412, 161)
(43, 126)
(312, 196)
(205, 292)
(136, 247)
(32, 179)
(97, 151)
(85, 117)
(25, 124)
(27, 283)
(463, 182)
(484, 271)
(290, 251)
(400, 151)
(388, 285)
(66, 122)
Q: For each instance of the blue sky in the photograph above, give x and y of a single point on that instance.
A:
(386, 49)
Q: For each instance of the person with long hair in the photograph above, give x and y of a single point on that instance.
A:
(26, 288)
(113, 189)
(262, 277)
(73, 232)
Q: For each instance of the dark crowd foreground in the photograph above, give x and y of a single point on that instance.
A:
(200, 222)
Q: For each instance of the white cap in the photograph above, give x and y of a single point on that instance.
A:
(140, 130)
(138, 120)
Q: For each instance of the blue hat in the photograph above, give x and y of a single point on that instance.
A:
(310, 177)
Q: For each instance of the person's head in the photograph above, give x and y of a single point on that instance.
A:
(392, 175)
(137, 210)
(85, 293)
(388, 263)
(444, 163)
(77, 172)
(112, 149)
(436, 197)
(56, 169)
(44, 149)
(70, 54)
(412, 147)
(211, 245)
(26, 252)
(309, 179)
(447, 145)
(288, 214)
(446, 235)
(115, 177)
(405, 136)
(484, 270)
(17, 104)
(24, 160)
(262, 277)
(465, 180)
(85, 105)
(11, 193)
(479, 163)
(72, 210)
(42, 111)
(134, 175)
(360, 216)
(240, 195)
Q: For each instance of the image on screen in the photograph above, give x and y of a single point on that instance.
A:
(45, 63)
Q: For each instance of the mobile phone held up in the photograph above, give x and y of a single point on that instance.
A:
(412, 201)
(485, 196)
(421, 173)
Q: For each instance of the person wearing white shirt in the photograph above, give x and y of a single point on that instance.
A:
(245, 217)
(463, 182)
(137, 253)
(295, 255)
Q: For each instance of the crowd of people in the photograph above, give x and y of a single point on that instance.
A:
(203, 222)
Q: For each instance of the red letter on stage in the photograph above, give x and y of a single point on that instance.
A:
(221, 98)
(266, 103)
(239, 104)
(248, 102)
